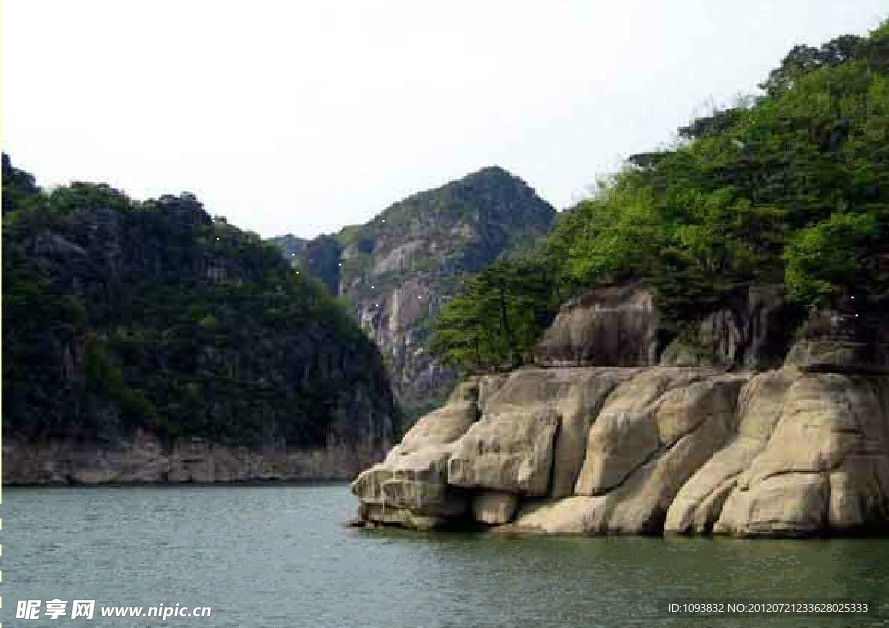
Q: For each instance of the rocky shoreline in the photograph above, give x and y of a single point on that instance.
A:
(653, 448)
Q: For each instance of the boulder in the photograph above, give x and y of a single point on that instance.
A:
(698, 504)
(409, 487)
(570, 515)
(625, 433)
(684, 426)
(639, 505)
(832, 435)
(447, 423)
(410, 490)
(791, 505)
(576, 394)
(510, 450)
(584, 395)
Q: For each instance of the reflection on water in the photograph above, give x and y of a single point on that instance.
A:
(280, 556)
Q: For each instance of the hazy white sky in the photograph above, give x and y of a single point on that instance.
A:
(303, 117)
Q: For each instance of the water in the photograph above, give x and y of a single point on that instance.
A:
(279, 556)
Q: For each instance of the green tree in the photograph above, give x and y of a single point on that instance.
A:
(498, 317)
(832, 257)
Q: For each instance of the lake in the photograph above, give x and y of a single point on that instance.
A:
(281, 556)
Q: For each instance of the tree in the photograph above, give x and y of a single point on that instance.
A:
(498, 317)
(831, 258)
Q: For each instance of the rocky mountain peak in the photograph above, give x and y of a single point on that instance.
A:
(401, 266)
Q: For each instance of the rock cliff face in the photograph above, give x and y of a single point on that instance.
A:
(143, 458)
(621, 326)
(400, 268)
(641, 448)
(616, 325)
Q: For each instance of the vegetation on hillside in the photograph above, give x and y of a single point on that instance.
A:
(120, 314)
(791, 186)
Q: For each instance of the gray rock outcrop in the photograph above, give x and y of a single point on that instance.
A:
(604, 326)
(752, 330)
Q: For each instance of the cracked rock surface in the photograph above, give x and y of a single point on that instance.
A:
(645, 450)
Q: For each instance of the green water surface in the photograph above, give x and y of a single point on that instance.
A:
(281, 556)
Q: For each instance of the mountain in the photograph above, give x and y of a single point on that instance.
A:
(400, 268)
(122, 317)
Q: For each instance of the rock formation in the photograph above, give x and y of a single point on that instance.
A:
(621, 326)
(641, 448)
(616, 325)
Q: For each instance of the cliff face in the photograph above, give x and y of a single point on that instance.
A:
(122, 317)
(641, 448)
(399, 268)
(621, 326)
(616, 325)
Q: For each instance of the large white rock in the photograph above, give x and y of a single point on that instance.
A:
(511, 451)
(441, 426)
(686, 426)
(825, 465)
(647, 449)
(625, 433)
(576, 394)
(699, 502)
(410, 489)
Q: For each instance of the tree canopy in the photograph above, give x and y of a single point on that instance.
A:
(790, 186)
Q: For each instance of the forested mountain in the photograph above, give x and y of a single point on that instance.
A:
(789, 188)
(397, 270)
(120, 315)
